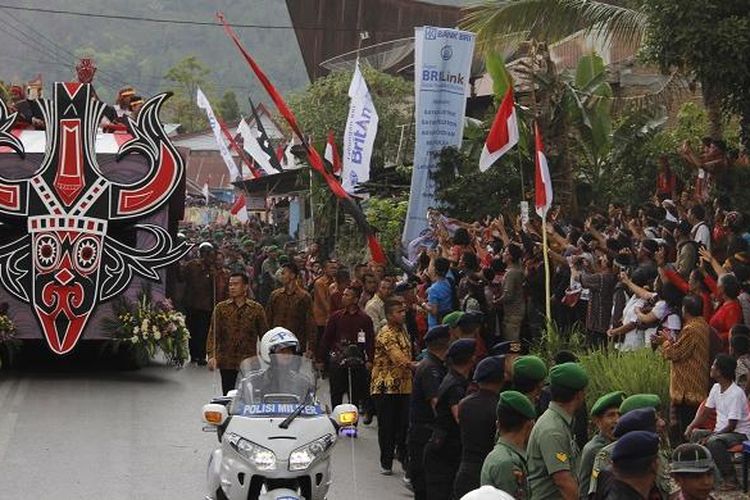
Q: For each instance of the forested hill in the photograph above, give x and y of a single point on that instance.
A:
(140, 53)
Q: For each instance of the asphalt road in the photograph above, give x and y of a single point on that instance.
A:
(68, 432)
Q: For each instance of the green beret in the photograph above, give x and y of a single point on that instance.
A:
(604, 403)
(517, 402)
(570, 375)
(530, 367)
(637, 401)
(451, 319)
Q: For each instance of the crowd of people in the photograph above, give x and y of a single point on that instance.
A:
(438, 349)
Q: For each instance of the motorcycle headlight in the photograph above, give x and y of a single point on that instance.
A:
(302, 458)
(262, 458)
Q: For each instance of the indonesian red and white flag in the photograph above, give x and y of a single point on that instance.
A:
(542, 179)
(331, 154)
(239, 208)
(503, 134)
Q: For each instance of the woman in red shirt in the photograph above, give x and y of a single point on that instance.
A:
(729, 313)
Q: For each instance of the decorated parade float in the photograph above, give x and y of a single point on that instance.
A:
(87, 224)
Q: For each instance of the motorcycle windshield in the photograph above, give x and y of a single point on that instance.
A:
(276, 388)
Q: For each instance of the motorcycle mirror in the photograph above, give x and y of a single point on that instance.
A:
(214, 414)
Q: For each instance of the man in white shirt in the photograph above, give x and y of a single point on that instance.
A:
(732, 419)
(700, 233)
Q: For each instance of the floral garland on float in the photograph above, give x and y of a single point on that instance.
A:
(8, 342)
(147, 327)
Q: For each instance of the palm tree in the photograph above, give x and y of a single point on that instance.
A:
(551, 20)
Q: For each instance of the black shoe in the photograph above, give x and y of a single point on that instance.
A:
(367, 420)
(202, 362)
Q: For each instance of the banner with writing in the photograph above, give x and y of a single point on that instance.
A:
(442, 68)
(359, 135)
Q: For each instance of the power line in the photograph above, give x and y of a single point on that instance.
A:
(189, 22)
(113, 77)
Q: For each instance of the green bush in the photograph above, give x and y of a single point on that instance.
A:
(641, 371)
(556, 339)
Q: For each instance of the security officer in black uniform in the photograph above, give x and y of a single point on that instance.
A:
(476, 420)
(635, 462)
(427, 379)
(442, 455)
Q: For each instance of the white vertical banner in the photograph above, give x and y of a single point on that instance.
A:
(203, 103)
(359, 135)
(442, 68)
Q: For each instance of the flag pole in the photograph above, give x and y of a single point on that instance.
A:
(547, 301)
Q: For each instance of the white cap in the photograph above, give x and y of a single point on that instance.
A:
(487, 492)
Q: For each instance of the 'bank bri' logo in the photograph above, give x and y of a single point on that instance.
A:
(446, 52)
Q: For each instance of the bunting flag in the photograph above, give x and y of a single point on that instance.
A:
(542, 179)
(503, 134)
(202, 102)
(263, 140)
(244, 160)
(239, 208)
(332, 155)
(316, 162)
(251, 145)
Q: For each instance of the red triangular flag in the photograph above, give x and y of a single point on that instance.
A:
(503, 134)
(331, 154)
(239, 208)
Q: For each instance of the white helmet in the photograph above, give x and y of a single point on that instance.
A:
(276, 338)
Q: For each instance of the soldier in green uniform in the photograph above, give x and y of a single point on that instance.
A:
(552, 452)
(603, 461)
(605, 414)
(529, 373)
(505, 466)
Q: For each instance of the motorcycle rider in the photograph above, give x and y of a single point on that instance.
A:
(280, 352)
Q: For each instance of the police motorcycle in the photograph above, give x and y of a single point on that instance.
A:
(275, 439)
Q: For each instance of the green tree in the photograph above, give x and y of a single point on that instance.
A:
(185, 78)
(710, 39)
(228, 108)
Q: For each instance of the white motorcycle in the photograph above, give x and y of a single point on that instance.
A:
(275, 438)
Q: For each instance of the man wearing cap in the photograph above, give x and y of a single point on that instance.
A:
(469, 326)
(511, 350)
(442, 455)
(505, 467)
(529, 373)
(267, 280)
(634, 404)
(693, 469)
(635, 464)
(552, 451)
(199, 275)
(477, 422)
(427, 379)
(605, 414)
(451, 321)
